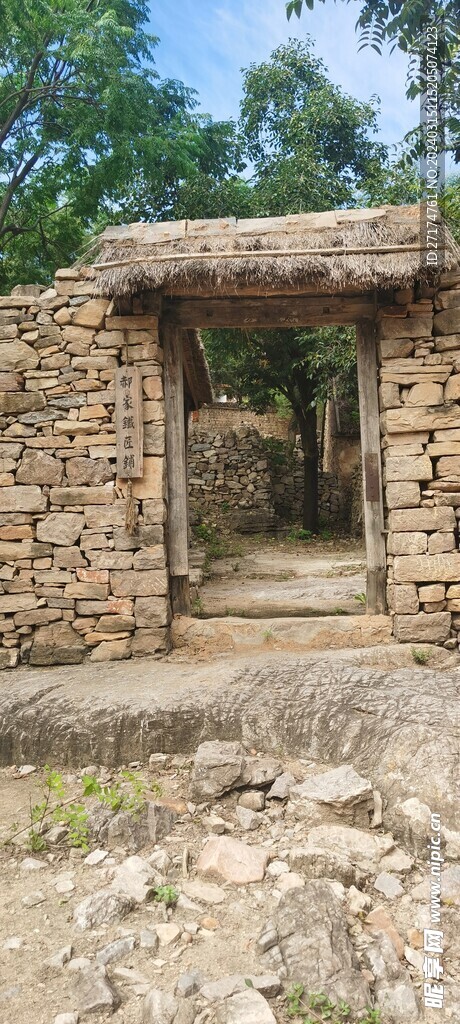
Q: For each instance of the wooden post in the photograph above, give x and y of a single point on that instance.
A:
(176, 462)
(366, 354)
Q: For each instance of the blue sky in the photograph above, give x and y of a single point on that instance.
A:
(205, 43)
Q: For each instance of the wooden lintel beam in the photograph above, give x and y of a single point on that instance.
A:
(279, 312)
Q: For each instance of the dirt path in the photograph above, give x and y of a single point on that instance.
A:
(272, 577)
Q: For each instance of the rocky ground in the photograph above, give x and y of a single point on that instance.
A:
(283, 871)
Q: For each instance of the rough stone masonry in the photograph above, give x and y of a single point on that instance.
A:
(75, 583)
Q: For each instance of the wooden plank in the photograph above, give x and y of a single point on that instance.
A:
(129, 422)
(263, 312)
(250, 290)
(366, 353)
(176, 464)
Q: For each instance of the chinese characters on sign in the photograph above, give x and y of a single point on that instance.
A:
(129, 424)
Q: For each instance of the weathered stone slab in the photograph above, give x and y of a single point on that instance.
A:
(81, 496)
(446, 299)
(39, 468)
(22, 499)
(452, 388)
(407, 543)
(444, 447)
(404, 598)
(402, 494)
(426, 568)
(428, 393)
(18, 355)
(151, 484)
(447, 322)
(92, 314)
(405, 327)
(448, 466)
(57, 644)
(407, 467)
(448, 343)
(433, 418)
(425, 628)
(401, 520)
(395, 348)
(132, 583)
(145, 537)
(229, 860)
(10, 552)
(19, 402)
(152, 612)
(17, 602)
(62, 528)
(88, 471)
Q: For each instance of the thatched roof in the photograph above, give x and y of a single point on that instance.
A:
(356, 248)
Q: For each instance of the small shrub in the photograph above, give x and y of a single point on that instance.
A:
(420, 656)
(166, 894)
(361, 598)
(317, 1008)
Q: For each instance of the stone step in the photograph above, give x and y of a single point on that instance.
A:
(241, 635)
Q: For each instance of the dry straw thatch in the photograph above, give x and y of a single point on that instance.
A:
(361, 249)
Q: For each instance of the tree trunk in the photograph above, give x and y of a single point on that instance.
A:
(307, 426)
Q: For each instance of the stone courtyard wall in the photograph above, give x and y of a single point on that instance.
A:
(419, 356)
(73, 581)
(252, 483)
(224, 416)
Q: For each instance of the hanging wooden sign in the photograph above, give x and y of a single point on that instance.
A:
(129, 422)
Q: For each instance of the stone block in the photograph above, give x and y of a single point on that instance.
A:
(404, 599)
(395, 348)
(426, 568)
(112, 650)
(452, 388)
(144, 537)
(89, 472)
(432, 592)
(154, 511)
(63, 528)
(18, 355)
(17, 602)
(447, 321)
(75, 427)
(402, 494)
(149, 641)
(440, 542)
(402, 520)
(388, 396)
(396, 421)
(425, 394)
(92, 314)
(39, 468)
(57, 644)
(99, 516)
(153, 412)
(405, 327)
(408, 543)
(430, 628)
(153, 388)
(448, 466)
(449, 343)
(152, 612)
(81, 496)
(22, 499)
(132, 583)
(89, 591)
(152, 483)
(12, 404)
(407, 467)
(154, 437)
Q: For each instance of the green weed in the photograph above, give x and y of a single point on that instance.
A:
(317, 1008)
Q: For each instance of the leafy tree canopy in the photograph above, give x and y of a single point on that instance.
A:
(403, 24)
(88, 132)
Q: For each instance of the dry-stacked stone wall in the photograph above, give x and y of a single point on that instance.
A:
(73, 581)
(419, 349)
(252, 483)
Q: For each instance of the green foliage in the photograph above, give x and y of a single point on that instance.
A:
(166, 894)
(88, 132)
(420, 656)
(360, 598)
(128, 795)
(295, 535)
(403, 24)
(317, 1008)
(115, 796)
